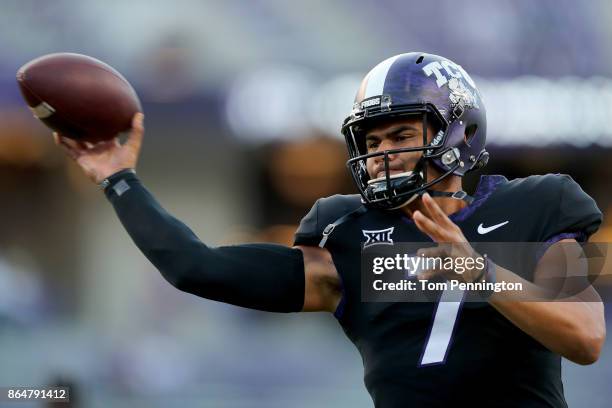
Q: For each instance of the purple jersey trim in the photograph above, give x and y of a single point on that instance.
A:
(486, 186)
(339, 312)
(579, 236)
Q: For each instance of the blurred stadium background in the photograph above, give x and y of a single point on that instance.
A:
(243, 103)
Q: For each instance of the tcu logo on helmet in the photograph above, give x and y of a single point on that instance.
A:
(378, 237)
(451, 70)
(454, 76)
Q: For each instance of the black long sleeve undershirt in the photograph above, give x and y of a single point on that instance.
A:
(266, 277)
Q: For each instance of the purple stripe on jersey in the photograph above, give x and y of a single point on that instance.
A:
(486, 186)
(579, 236)
(340, 308)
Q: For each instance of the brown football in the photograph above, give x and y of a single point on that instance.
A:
(78, 96)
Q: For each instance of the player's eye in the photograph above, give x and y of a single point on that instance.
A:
(401, 138)
(372, 145)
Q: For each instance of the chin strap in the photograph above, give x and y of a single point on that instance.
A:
(457, 195)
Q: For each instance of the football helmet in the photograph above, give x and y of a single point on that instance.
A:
(438, 91)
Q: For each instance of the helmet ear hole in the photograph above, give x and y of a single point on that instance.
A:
(470, 131)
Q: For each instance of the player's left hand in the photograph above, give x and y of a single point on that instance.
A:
(451, 242)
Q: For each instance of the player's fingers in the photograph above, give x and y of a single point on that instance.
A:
(104, 146)
(73, 144)
(71, 150)
(134, 140)
(427, 226)
(431, 252)
(436, 212)
(436, 254)
(428, 274)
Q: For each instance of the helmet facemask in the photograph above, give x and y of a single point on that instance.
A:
(392, 191)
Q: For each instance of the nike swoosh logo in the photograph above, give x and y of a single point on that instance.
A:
(485, 230)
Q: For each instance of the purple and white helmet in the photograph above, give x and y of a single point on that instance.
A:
(442, 94)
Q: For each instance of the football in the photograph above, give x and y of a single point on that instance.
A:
(78, 96)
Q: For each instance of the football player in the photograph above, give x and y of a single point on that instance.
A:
(417, 126)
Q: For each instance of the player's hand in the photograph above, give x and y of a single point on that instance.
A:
(451, 242)
(106, 158)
